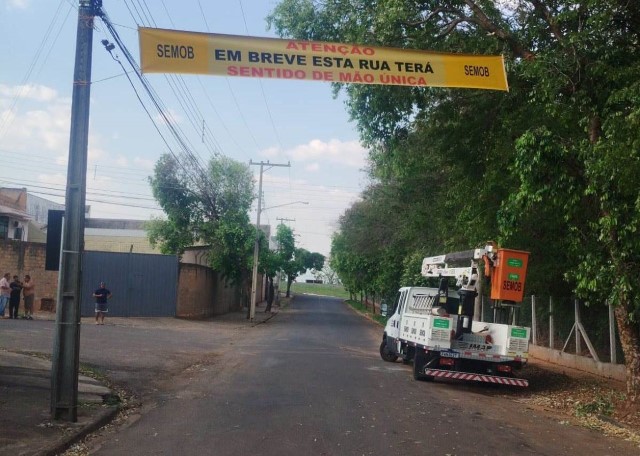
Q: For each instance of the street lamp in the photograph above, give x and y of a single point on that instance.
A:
(256, 252)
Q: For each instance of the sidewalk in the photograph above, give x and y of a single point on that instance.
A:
(25, 421)
(26, 427)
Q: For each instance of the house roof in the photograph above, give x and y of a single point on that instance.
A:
(14, 213)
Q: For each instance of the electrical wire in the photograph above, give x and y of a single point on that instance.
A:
(201, 180)
(93, 200)
(181, 91)
(264, 96)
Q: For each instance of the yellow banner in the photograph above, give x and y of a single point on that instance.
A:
(172, 51)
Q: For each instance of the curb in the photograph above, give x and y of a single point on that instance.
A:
(272, 314)
(66, 442)
(362, 314)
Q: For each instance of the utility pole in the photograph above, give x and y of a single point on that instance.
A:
(256, 246)
(282, 220)
(66, 348)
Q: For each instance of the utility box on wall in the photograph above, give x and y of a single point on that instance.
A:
(509, 275)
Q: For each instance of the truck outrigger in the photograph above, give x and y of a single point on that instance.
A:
(435, 327)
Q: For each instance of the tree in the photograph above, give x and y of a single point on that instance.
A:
(314, 262)
(269, 265)
(327, 275)
(291, 260)
(210, 209)
(553, 164)
(172, 189)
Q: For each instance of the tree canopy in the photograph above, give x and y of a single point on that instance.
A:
(551, 167)
(293, 260)
(211, 210)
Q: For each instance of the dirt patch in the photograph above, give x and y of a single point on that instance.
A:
(579, 397)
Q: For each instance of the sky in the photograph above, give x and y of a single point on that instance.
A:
(296, 122)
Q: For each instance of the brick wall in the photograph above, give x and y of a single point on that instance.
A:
(20, 258)
(202, 293)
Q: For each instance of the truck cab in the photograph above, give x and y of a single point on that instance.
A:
(408, 300)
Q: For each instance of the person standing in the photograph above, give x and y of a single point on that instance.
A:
(28, 291)
(5, 292)
(14, 297)
(102, 295)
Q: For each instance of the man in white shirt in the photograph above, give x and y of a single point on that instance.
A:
(5, 292)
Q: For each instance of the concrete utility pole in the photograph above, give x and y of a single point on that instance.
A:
(256, 246)
(66, 349)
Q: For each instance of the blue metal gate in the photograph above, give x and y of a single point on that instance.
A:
(142, 285)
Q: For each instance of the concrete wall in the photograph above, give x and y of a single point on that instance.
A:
(122, 244)
(203, 293)
(20, 258)
(581, 363)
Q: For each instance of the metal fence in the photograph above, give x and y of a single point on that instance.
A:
(567, 324)
(142, 285)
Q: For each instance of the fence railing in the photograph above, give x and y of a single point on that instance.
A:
(570, 325)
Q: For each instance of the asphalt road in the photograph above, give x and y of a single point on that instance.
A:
(307, 382)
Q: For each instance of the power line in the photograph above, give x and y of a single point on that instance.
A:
(97, 193)
(200, 181)
(181, 91)
(264, 96)
(204, 18)
(93, 200)
(211, 138)
(233, 95)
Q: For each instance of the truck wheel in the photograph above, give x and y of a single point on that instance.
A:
(385, 353)
(419, 361)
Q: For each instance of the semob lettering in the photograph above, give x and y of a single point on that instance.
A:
(473, 70)
(511, 285)
(175, 51)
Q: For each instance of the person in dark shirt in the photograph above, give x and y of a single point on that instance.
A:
(14, 297)
(102, 295)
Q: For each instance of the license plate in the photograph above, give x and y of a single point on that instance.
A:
(449, 354)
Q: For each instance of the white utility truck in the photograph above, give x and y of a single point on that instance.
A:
(434, 326)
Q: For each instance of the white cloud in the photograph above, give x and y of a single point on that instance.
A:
(314, 222)
(38, 129)
(34, 92)
(349, 153)
(18, 4)
(144, 163)
(56, 179)
(270, 153)
(313, 167)
(122, 161)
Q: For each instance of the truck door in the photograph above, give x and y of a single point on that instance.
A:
(393, 324)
